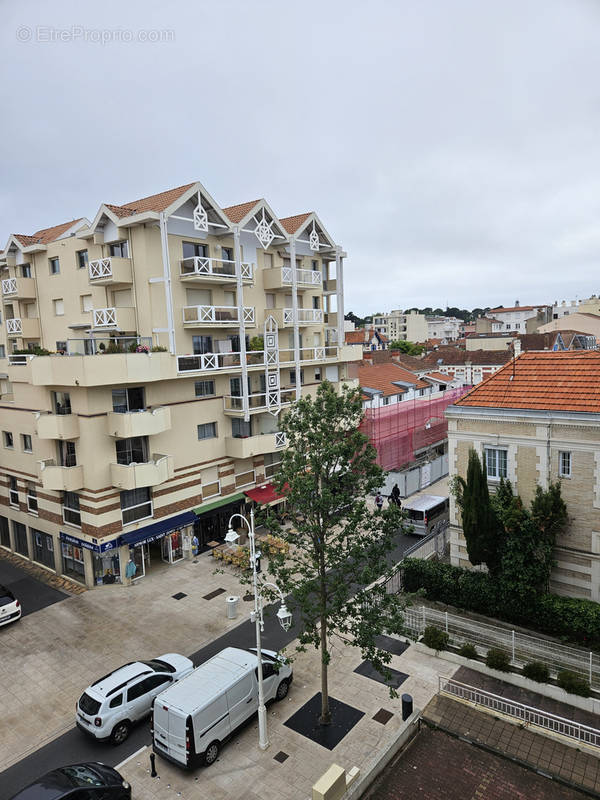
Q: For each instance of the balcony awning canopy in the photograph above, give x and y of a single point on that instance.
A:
(265, 495)
(156, 531)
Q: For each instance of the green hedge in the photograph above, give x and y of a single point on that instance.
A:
(567, 618)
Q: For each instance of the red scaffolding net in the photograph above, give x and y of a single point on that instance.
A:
(400, 430)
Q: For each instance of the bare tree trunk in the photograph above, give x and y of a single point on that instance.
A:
(325, 718)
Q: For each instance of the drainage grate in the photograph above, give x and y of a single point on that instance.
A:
(383, 716)
(281, 757)
(216, 593)
(179, 596)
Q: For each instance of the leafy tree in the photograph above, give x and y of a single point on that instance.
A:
(351, 317)
(479, 523)
(337, 545)
(409, 348)
(257, 343)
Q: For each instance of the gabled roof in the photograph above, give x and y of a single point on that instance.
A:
(437, 376)
(256, 212)
(451, 356)
(501, 310)
(408, 362)
(544, 381)
(308, 221)
(237, 213)
(292, 224)
(384, 379)
(154, 202)
(355, 337)
(44, 236)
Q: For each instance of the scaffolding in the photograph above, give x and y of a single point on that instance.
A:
(401, 430)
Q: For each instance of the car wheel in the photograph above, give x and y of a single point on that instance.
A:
(282, 690)
(211, 753)
(120, 732)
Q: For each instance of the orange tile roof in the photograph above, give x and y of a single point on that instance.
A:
(545, 381)
(46, 235)
(237, 213)
(438, 376)
(155, 202)
(355, 337)
(501, 310)
(382, 377)
(291, 224)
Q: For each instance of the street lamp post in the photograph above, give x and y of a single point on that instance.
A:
(283, 615)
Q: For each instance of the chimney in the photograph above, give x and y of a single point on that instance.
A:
(517, 347)
(516, 303)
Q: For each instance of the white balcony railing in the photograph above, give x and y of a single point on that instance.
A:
(9, 286)
(213, 267)
(209, 362)
(303, 276)
(14, 327)
(105, 318)
(256, 402)
(310, 315)
(216, 315)
(279, 439)
(100, 268)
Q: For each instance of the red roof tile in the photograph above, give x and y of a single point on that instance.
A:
(382, 377)
(46, 235)
(355, 337)
(545, 381)
(155, 202)
(237, 213)
(501, 310)
(291, 224)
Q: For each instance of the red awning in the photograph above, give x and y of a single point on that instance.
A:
(265, 495)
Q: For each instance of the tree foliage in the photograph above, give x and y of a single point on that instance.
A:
(409, 348)
(338, 546)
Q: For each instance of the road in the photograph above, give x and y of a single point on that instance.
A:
(31, 593)
(74, 746)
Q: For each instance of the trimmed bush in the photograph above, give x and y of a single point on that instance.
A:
(468, 651)
(536, 671)
(435, 638)
(573, 683)
(497, 659)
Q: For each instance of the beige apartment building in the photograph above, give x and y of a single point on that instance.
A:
(179, 332)
(534, 421)
(399, 326)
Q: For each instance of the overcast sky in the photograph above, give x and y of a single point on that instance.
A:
(451, 146)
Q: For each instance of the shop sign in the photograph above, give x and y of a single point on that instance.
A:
(95, 548)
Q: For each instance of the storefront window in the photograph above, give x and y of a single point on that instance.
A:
(72, 561)
(106, 568)
(172, 547)
(43, 548)
(20, 534)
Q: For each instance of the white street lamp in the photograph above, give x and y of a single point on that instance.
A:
(283, 615)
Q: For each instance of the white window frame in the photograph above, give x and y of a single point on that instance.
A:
(24, 437)
(204, 394)
(565, 464)
(50, 265)
(5, 440)
(204, 425)
(209, 496)
(496, 476)
(137, 505)
(72, 511)
(13, 494)
(31, 497)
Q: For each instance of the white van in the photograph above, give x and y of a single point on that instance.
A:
(425, 512)
(194, 717)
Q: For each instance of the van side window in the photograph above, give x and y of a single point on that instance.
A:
(116, 701)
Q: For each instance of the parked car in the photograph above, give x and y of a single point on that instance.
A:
(425, 512)
(10, 608)
(89, 781)
(192, 720)
(110, 706)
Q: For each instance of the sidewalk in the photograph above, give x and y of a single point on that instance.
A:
(243, 772)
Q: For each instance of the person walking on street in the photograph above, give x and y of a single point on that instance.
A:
(395, 496)
(379, 501)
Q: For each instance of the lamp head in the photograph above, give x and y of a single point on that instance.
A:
(231, 536)
(284, 617)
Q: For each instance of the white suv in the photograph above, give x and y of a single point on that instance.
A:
(10, 608)
(109, 707)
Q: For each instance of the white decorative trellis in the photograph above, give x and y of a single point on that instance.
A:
(264, 230)
(271, 347)
(313, 239)
(200, 216)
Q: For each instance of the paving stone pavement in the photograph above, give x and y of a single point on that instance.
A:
(540, 752)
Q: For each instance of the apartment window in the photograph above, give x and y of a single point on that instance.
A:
(82, 259)
(67, 456)
(564, 464)
(207, 431)
(13, 491)
(315, 265)
(202, 344)
(20, 534)
(26, 443)
(71, 512)
(4, 533)
(61, 403)
(317, 374)
(59, 307)
(61, 347)
(119, 249)
(132, 451)
(517, 325)
(26, 270)
(32, 503)
(54, 266)
(136, 504)
(204, 388)
(269, 300)
(8, 439)
(317, 302)
(126, 400)
(293, 377)
(2, 351)
(192, 249)
(86, 303)
(272, 464)
(241, 429)
(227, 253)
(43, 548)
(496, 463)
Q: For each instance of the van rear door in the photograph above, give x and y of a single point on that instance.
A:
(170, 731)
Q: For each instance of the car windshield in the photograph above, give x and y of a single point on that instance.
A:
(88, 705)
(82, 775)
(5, 599)
(159, 666)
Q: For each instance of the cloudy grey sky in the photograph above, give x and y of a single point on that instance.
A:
(451, 146)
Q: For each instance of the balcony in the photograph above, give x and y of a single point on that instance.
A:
(18, 289)
(233, 405)
(216, 316)
(213, 270)
(281, 278)
(331, 319)
(210, 362)
(57, 426)
(57, 478)
(308, 354)
(121, 319)
(112, 270)
(26, 327)
(254, 445)
(151, 473)
(306, 316)
(138, 423)
(330, 286)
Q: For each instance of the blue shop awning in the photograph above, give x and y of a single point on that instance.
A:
(156, 531)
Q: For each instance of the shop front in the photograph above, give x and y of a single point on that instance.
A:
(167, 541)
(105, 563)
(212, 520)
(267, 496)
